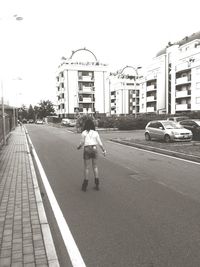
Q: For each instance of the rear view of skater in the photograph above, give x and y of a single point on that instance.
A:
(89, 140)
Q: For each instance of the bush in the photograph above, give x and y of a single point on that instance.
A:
(80, 122)
(107, 122)
(130, 123)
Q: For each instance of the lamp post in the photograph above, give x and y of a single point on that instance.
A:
(17, 18)
(3, 115)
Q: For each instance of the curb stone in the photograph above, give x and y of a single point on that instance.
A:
(159, 150)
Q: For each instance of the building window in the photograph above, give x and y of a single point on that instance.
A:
(142, 105)
(197, 100)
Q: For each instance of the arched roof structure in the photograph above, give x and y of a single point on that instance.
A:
(83, 49)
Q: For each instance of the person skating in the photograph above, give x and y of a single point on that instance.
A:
(89, 140)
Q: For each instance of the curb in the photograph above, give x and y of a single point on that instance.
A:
(48, 240)
(68, 240)
(159, 150)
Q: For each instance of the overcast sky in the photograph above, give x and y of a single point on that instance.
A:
(119, 33)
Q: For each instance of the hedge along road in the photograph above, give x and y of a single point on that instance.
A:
(146, 213)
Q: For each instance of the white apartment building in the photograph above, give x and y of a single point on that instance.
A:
(124, 93)
(171, 83)
(81, 86)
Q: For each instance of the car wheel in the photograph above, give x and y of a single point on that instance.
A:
(147, 137)
(167, 138)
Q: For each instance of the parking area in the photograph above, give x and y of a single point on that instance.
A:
(137, 138)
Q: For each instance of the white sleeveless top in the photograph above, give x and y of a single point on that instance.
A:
(90, 138)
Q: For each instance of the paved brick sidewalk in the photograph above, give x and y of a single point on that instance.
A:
(25, 238)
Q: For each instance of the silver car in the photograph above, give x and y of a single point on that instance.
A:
(167, 130)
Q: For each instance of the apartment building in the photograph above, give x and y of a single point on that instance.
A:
(81, 86)
(124, 93)
(171, 83)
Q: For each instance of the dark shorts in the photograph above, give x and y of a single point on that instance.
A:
(90, 152)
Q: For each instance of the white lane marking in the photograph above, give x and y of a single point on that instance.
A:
(48, 240)
(157, 153)
(70, 244)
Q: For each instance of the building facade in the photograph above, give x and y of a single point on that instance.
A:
(171, 83)
(81, 87)
(124, 92)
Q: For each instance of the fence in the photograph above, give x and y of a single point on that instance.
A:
(9, 125)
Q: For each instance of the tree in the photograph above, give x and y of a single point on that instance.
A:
(23, 113)
(45, 109)
(31, 113)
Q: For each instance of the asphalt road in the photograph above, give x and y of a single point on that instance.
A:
(147, 213)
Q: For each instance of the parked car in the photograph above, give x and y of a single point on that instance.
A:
(30, 121)
(24, 121)
(178, 119)
(68, 122)
(167, 130)
(39, 122)
(193, 125)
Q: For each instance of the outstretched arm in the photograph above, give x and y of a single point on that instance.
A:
(101, 145)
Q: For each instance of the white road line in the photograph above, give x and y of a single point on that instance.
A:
(48, 240)
(157, 153)
(70, 244)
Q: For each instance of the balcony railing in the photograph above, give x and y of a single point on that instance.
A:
(183, 80)
(151, 88)
(182, 67)
(150, 109)
(86, 100)
(151, 98)
(182, 107)
(86, 78)
(185, 93)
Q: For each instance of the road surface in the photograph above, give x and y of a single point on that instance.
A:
(147, 213)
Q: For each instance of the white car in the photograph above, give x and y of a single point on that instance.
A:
(68, 122)
(167, 130)
(39, 122)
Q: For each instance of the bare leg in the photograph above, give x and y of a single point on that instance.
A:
(86, 169)
(96, 174)
(95, 168)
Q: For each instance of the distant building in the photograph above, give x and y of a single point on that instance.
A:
(171, 83)
(81, 87)
(124, 92)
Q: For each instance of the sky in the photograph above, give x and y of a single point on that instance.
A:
(119, 33)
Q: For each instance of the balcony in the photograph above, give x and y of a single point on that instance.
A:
(151, 98)
(182, 107)
(184, 93)
(86, 89)
(182, 67)
(86, 100)
(87, 110)
(183, 80)
(150, 109)
(112, 97)
(151, 88)
(86, 78)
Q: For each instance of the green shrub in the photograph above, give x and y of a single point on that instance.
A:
(107, 122)
(80, 122)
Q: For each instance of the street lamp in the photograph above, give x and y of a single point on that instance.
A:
(17, 18)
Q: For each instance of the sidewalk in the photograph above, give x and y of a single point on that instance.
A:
(25, 238)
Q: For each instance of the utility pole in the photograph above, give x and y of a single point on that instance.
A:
(3, 115)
